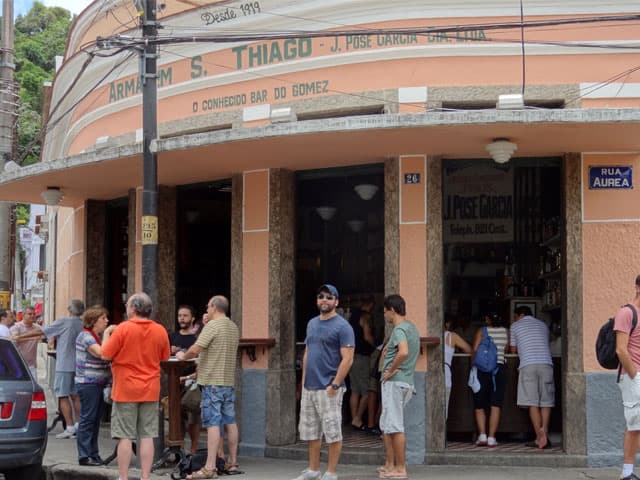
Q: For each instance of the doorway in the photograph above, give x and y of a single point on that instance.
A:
(117, 258)
(502, 237)
(340, 240)
(203, 244)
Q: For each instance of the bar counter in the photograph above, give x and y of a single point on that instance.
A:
(513, 419)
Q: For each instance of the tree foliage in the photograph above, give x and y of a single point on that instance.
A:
(40, 35)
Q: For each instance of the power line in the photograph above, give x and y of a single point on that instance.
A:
(448, 28)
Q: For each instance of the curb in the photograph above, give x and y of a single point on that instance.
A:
(67, 471)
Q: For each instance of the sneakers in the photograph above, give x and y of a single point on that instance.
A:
(309, 475)
(482, 440)
(491, 442)
(329, 476)
(70, 432)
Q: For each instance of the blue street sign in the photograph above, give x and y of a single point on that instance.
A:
(610, 177)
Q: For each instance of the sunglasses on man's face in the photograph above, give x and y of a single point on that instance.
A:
(323, 296)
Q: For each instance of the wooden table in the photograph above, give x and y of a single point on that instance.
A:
(174, 445)
(173, 368)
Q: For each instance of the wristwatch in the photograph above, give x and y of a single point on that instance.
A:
(335, 386)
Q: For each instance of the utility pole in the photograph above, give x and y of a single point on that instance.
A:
(149, 231)
(149, 65)
(8, 114)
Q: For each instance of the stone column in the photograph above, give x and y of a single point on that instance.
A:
(391, 226)
(573, 382)
(167, 250)
(132, 270)
(436, 428)
(235, 299)
(281, 374)
(95, 281)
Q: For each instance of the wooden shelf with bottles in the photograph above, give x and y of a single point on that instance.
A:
(553, 274)
(553, 241)
(550, 308)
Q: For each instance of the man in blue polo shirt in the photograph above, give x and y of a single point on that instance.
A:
(327, 358)
(536, 389)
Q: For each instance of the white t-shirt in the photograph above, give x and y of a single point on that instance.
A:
(4, 331)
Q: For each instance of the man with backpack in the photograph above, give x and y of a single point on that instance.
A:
(628, 351)
(536, 389)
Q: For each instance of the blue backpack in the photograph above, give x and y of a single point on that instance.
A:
(486, 359)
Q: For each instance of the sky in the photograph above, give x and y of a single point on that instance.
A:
(20, 7)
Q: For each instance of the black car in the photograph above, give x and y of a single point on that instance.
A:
(23, 417)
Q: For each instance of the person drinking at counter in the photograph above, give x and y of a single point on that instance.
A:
(492, 384)
(451, 341)
(536, 390)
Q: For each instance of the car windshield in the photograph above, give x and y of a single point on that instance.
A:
(11, 365)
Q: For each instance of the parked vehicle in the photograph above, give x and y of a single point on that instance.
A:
(23, 417)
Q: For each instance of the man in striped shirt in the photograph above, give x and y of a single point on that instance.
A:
(536, 389)
(217, 347)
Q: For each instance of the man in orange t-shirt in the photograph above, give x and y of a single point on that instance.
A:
(136, 348)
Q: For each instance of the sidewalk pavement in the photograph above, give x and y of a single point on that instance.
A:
(61, 463)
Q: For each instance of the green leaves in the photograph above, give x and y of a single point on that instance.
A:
(40, 35)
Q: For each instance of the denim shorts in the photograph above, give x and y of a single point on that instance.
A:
(64, 384)
(218, 407)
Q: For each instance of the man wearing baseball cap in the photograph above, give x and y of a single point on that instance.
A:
(327, 358)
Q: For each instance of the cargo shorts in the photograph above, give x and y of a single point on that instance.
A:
(321, 413)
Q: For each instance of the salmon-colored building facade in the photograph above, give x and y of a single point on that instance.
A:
(262, 145)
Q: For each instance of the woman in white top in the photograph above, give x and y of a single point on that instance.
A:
(451, 341)
(492, 388)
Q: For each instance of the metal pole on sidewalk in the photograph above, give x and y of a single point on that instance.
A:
(8, 114)
(149, 224)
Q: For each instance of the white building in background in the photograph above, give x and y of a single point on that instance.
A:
(30, 283)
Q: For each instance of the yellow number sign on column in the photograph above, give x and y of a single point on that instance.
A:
(149, 230)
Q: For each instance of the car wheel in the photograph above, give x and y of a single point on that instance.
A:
(23, 473)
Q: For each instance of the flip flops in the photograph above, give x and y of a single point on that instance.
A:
(393, 475)
(233, 470)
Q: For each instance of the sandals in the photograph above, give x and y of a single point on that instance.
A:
(233, 469)
(204, 473)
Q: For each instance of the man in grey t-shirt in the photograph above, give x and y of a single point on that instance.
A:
(65, 331)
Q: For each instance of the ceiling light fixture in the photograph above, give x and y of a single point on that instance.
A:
(366, 191)
(355, 225)
(52, 195)
(501, 150)
(326, 213)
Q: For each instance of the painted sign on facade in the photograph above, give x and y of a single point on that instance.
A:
(478, 204)
(610, 177)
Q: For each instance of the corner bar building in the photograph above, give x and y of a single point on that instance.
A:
(363, 160)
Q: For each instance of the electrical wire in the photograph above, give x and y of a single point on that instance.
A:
(51, 124)
(133, 42)
(272, 35)
(524, 56)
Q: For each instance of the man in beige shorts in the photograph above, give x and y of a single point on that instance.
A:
(327, 358)
(628, 350)
(136, 381)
